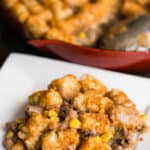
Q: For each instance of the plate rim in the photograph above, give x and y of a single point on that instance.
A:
(16, 54)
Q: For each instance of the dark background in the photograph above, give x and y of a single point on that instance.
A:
(11, 42)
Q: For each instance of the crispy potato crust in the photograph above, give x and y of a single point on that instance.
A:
(75, 21)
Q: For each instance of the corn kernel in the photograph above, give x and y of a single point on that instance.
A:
(10, 134)
(19, 121)
(56, 119)
(82, 35)
(74, 123)
(143, 117)
(52, 113)
(98, 138)
(113, 131)
(106, 137)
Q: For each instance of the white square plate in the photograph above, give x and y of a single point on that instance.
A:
(22, 74)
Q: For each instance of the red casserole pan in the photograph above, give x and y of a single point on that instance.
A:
(132, 62)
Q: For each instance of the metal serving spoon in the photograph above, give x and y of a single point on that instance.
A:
(129, 35)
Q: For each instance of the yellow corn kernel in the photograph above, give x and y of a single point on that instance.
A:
(82, 35)
(143, 117)
(113, 131)
(10, 134)
(19, 121)
(55, 119)
(52, 113)
(98, 138)
(74, 123)
(106, 137)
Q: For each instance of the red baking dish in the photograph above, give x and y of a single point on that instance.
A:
(133, 62)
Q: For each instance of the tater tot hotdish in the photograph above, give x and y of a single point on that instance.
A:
(76, 114)
(74, 21)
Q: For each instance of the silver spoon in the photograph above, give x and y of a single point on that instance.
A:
(129, 35)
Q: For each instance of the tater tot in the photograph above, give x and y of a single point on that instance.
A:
(47, 99)
(68, 86)
(117, 96)
(89, 82)
(51, 99)
(33, 6)
(36, 26)
(18, 146)
(92, 101)
(50, 141)
(21, 12)
(94, 122)
(32, 130)
(68, 139)
(93, 143)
